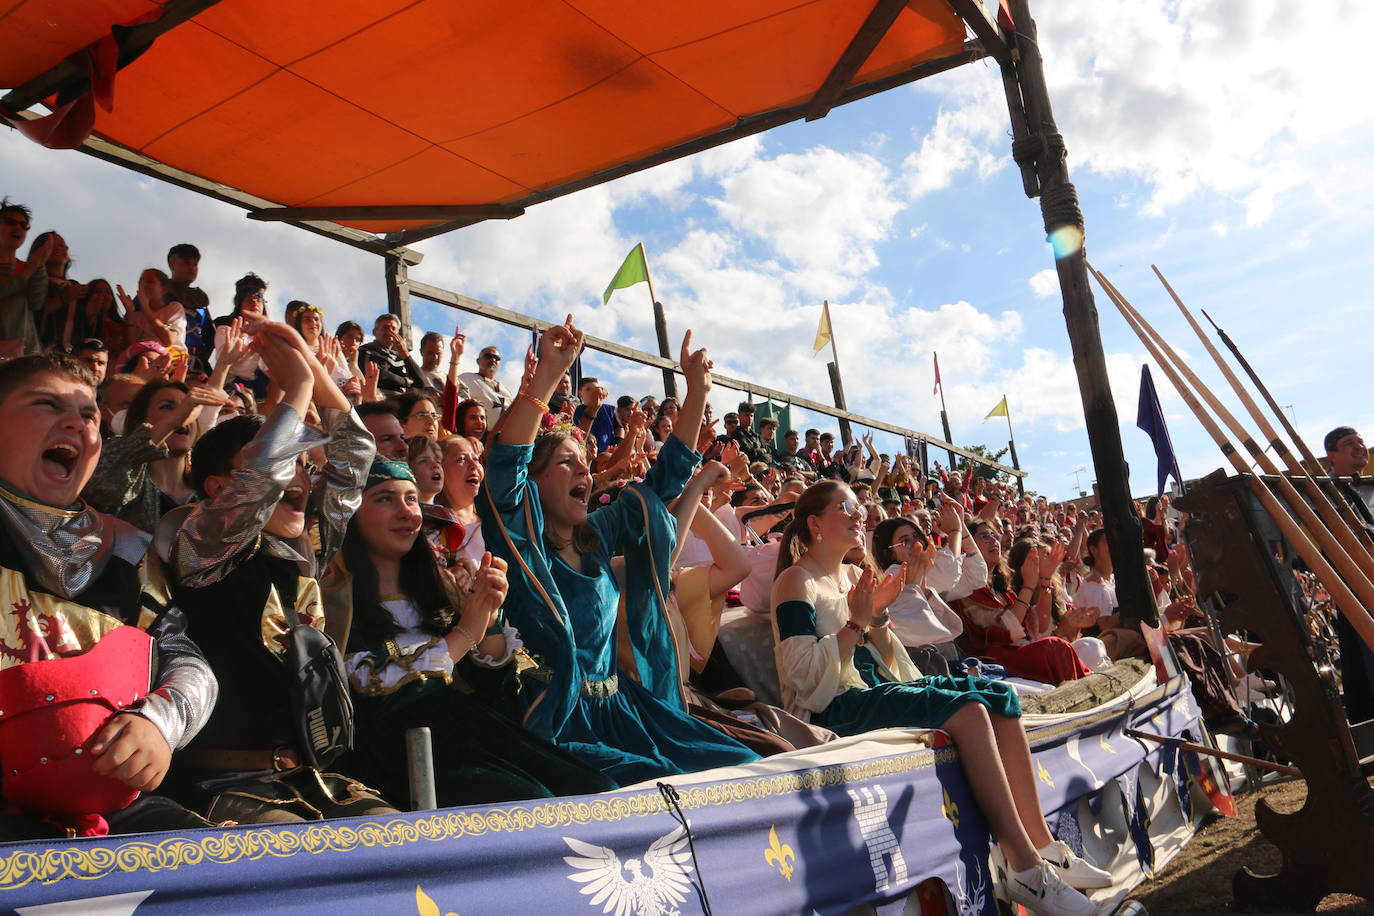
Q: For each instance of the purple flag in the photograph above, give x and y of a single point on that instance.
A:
(1150, 417)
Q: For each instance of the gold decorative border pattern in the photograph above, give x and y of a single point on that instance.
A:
(88, 863)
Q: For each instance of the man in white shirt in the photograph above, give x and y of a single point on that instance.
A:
(484, 387)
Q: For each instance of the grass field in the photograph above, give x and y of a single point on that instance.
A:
(1198, 880)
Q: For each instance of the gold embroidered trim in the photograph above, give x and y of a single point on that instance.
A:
(24, 502)
(92, 862)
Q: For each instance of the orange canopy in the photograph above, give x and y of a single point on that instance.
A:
(366, 103)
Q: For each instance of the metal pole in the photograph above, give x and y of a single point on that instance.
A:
(1064, 228)
(420, 765)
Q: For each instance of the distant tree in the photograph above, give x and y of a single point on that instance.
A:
(982, 470)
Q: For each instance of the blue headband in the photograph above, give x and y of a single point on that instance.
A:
(384, 469)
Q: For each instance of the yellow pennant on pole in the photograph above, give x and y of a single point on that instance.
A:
(823, 331)
(999, 411)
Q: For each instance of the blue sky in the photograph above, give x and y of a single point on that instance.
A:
(1230, 152)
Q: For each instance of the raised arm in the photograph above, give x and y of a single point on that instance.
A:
(696, 366)
(558, 348)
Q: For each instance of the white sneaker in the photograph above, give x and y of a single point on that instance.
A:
(1046, 894)
(1074, 870)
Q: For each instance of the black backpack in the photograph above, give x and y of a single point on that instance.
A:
(321, 706)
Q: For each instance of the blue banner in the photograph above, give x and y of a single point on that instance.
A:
(810, 839)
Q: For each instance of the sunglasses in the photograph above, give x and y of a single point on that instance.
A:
(852, 509)
(495, 356)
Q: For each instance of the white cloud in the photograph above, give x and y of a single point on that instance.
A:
(822, 210)
(1045, 283)
(1201, 96)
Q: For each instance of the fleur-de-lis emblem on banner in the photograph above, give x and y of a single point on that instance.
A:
(950, 809)
(1102, 741)
(1044, 774)
(779, 854)
(427, 907)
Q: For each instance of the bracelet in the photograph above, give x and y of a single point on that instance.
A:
(526, 396)
(862, 631)
(467, 636)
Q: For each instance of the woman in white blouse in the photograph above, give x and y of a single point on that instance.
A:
(841, 665)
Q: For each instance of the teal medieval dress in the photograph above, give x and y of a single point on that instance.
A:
(632, 730)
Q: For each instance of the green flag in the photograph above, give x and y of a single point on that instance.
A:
(635, 269)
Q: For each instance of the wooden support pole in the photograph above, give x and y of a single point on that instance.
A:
(661, 330)
(475, 212)
(860, 48)
(398, 293)
(1214, 752)
(1064, 227)
(837, 388)
(975, 14)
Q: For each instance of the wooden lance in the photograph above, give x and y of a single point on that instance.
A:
(1338, 525)
(1341, 593)
(1310, 459)
(1344, 562)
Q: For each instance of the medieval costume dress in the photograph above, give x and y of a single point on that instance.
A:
(632, 730)
(86, 621)
(481, 756)
(993, 634)
(244, 590)
(855, 695)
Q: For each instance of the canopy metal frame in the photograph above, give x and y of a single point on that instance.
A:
(1037, 148)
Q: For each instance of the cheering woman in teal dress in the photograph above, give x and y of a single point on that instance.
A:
(564, 596)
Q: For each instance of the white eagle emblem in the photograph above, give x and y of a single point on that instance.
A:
(658, 893)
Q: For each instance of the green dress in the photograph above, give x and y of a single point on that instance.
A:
(481, 756)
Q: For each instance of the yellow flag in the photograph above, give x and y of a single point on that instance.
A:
(823, 331)
(999, 411)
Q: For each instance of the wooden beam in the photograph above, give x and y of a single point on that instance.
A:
(72, 73)
(975, 14)
(473, 212)
(136, 162)
(879, 21)
(506, 316)
(745, 127)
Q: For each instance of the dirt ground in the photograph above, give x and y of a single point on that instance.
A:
(1198, 880)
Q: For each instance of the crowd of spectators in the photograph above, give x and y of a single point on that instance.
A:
(529, 566)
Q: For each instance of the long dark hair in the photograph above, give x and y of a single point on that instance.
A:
(139, 406)
(421, 582)
(111, 311)
(460, 416)
(796, 537)
(886, 533)
(1094, 538)
(999, 576)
